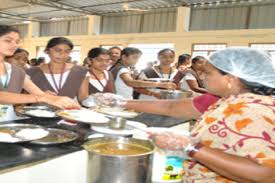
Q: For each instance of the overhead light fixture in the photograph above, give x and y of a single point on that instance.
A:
(26, 22)
(56, 18)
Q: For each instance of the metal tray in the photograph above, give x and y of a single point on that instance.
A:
(25, 110)
(13, 128)
(57, 136)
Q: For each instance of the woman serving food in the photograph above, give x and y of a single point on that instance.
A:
(233, 140)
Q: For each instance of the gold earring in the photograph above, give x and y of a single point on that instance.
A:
(229, 86)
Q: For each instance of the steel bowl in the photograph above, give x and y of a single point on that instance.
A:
(117, 123)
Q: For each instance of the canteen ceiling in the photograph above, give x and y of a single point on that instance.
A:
(21, 11)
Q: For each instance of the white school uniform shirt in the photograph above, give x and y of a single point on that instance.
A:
(57, 78)
(95, 82)
(184, 85)
(121, 88)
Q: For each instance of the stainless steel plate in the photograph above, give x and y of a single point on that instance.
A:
(37, 111)
(13, 128)
(57, 136)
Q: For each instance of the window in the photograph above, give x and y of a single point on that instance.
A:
(206, 49)
(269, 47)
(75, 54)
(149, 53)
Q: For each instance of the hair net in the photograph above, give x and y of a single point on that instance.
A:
(246, 63)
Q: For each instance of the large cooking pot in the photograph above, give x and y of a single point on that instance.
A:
(113, 168)
(175, 94)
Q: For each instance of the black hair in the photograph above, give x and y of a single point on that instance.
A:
(6, 29)
(95, 52)
(221, 72)
(39, 61)
(86, 62)
(254, 87)
(161, 52)
(20, 50)
(198, 58)
(258, 88)
(32, 61)
(59, 40)
(182, 59)
(130, 51)
(115, 47)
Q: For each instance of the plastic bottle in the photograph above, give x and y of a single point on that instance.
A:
(167, 167)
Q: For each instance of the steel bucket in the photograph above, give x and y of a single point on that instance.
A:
(120, 168)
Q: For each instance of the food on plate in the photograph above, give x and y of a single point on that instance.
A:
(31, 134)
(41, 113)
(5, 137)
(57, 136)
(7, 130)
(115, 111)
(27, 134)
(83, 115)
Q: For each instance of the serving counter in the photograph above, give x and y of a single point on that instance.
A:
(29, 163)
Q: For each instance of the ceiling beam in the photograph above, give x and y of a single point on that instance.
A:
(111, 3)
(17, 17)
(183, 3)
(14, 7)
(50, 5)
(59, 3)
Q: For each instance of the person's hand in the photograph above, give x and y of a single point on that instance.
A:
(59, 101)
(109, 99)
(168, 85)
(50, 92)
(170, 140)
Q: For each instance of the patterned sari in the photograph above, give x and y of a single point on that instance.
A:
(242, 125)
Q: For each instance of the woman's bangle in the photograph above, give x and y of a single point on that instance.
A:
(192, 149)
